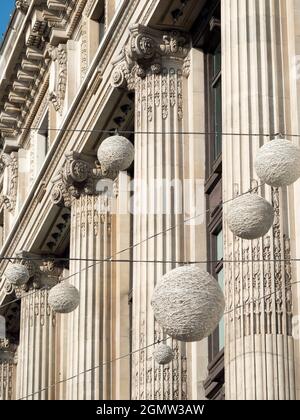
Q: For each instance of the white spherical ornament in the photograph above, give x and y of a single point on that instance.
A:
(17, 274)
(188, 303)
(116, 154)
(278, 163)
(64, 298)
(163, 354)
(250, 217)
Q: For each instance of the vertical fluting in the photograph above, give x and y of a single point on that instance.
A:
(259, 346)
(158, 195)
(35, 371)
(93, 340)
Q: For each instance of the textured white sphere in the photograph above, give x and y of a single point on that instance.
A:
(278, 163)
(188, 303)
(163, 354)
(17, 274)
(250, 216)
(116, 154)
(64, 298)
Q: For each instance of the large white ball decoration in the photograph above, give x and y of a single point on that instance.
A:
(278, 163)
(17, 274)
(63, 298)
(250, 216)
(116, 154)
(188, 303)
(163, 354)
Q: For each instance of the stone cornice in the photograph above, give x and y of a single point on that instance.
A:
(24, 82)
(68, 138)
(147, 51)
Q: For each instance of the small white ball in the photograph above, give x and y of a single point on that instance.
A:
(17, 274)
(163, 354)
(64, 298)
(278, 163)
(116, 153)
(188, 303)
(250, 216)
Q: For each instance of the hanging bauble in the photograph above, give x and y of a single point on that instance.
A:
(64, 298)
(188, 303)
(250, 216)
(116, 153)
(17, 274)
(278, 163)
(163, 354)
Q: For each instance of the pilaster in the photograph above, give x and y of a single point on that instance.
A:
(36, 351)
(156, 66)
(98, 331)
(259, 348)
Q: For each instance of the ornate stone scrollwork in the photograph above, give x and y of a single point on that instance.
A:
(9, 193)
(146, 52)
(58, 76)
(43, 274)
(76, 177)
(22, 5)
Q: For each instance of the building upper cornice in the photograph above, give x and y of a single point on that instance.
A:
(25, 60)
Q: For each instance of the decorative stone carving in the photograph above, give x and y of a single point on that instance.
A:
(22, 5)
(146, 52)
(9, 193)
(42, 275)
(8, 361)
(77, 176)
(58, 76)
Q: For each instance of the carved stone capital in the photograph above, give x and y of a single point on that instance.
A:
(22, 5)
(148, 51)
(78, 176)
(43, 275)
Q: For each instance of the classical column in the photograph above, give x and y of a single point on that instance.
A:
(7, 370)
(259, 358)
(156, 65)
(36, 351)
(97, 332)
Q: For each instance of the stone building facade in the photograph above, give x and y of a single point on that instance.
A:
(171, 75)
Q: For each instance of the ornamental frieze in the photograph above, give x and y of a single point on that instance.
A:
(9, 165)
(58, 76)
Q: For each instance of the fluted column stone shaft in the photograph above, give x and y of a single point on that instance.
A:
(97, 331)
(259, 359)
(155, 65)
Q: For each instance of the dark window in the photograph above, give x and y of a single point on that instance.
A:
(206, 35)
(214, 108)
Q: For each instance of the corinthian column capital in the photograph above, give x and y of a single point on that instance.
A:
(78, 176)
(148, 51)
(43, 275)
